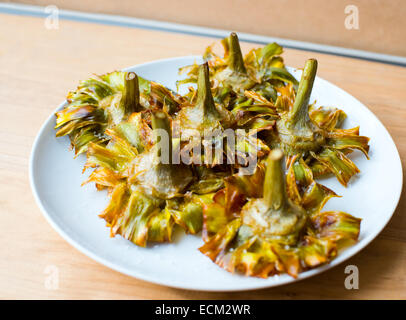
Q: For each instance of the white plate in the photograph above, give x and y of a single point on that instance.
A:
(73, 210)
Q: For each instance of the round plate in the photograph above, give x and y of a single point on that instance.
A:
(73, 210)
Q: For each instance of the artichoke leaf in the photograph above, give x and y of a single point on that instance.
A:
(336, 161)
(187, 212)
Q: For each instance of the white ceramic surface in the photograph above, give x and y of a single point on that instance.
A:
(73, 210)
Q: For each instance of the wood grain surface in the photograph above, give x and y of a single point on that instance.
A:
(381, 23)
(37, 68)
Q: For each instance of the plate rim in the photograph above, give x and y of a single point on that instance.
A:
(175, 284)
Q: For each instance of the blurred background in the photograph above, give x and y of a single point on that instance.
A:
(371, 25)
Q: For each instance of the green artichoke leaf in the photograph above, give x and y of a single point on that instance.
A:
(116, 156)
(209, 180)
(135, 131)
(338, 164)
(327, 118)
(282, 74)
(268, 52)
(137, 216)
(104, 177)
(348, 140)
(331, 231)
(302, 188)
(187, 212)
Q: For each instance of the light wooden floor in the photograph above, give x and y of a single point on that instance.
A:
(38, 67)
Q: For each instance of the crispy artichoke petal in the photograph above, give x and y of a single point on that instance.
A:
(160, 226)
(254, 258)
(216, 247)
(316, 196)
(81, 112)
(116, 156)
(336, 161)
(256, 123)
(248, 147)
(302, 188)
(227, 202)
(187, 213)
(134, 131)
(163, 97)
(327, 117)
(208, 180)
(277, 73)
(348, 140)
(138, 217)
(215, 216)
(330, 232)
(316, 252)
(336, 226)
(117, 204)
(104, 178)
(250, 186)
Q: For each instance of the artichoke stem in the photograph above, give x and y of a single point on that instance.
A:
(204, 95)
(160, 121)
(300, 107)
(274, 184)
(131, 94)
(235, 58)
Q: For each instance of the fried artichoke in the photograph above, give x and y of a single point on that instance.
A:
(265, 98)
(314, 133)
(104, 101)
(170, 161)
(149, 193)
(271, 233)
(97, 104)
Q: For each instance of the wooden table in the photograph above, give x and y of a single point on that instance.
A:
(381, 27)
(38, 66)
